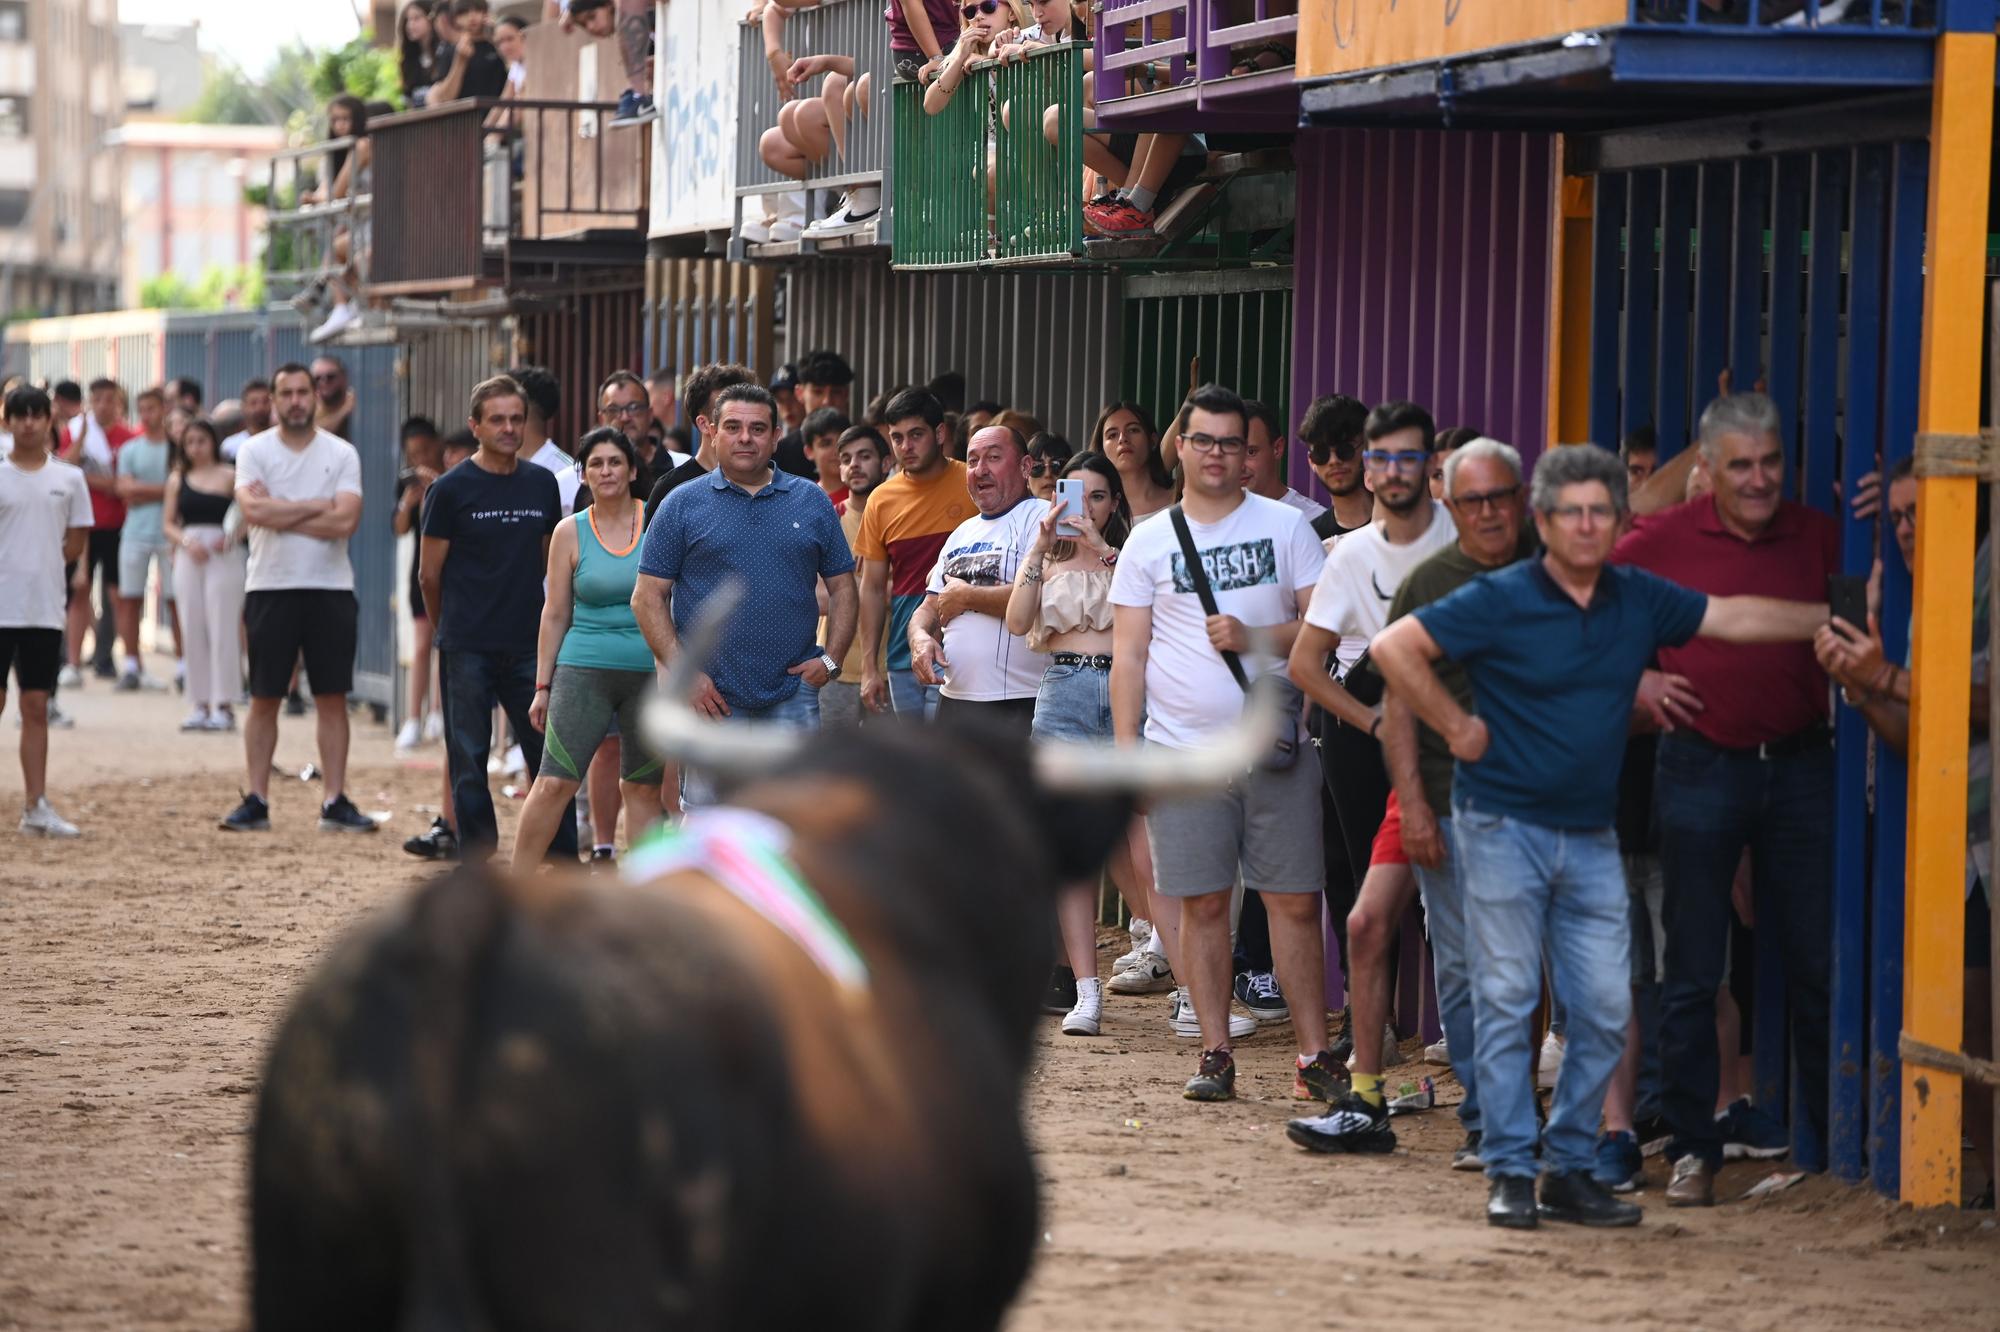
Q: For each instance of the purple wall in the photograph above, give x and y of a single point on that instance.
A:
(1424, 271)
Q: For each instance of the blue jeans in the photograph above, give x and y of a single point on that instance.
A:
(1531, 889)
(1444, 915)
(907, 696)
(472, 684)
(800, 712)
(1712, 805)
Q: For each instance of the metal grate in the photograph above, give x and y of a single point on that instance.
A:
(851, 28)
(940, 179)
(1754, 16)
(1240, 332)
(1038, 188)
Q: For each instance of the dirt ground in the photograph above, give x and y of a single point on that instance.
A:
(142, 967)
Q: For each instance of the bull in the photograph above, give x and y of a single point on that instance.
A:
(548, 1103)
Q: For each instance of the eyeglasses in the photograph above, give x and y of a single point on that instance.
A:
(1897, 517)
(1408, 461)
(1344, 450)
(629, 409)
(1480, 501)
(973, 11)
(327, 377)
(1572, 514)
(1210, 444)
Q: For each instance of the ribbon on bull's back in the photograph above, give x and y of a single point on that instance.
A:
(749, 854)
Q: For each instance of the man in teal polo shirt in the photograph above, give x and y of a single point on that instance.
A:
(1554, 648)
(777, 533)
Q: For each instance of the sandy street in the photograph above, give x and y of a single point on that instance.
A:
(141, 970)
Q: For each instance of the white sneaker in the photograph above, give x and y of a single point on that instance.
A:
(1151, 975)
(1438, 1053)
(1186, 1026)
(1087, 1017)
(1551, 1062)
(221, 719)
(41, 821)
(434, 728)
(151, 684)
(409, 736)
(757, 231)
(69, 677)
(516, 763)
(196, 720)
(343, 317)
(1392, 1053)
(855, 212)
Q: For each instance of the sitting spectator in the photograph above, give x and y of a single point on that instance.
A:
(823, 430)
(921, 32)
(632, 21)
(510, 39)
(471, 66)
(417, 47)
(208, 574)
(349, 170)
(1046, 455)
(1125, 434)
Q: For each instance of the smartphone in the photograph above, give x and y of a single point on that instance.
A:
(1069, 496)
(1847, 598)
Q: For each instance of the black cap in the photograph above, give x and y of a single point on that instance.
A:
(787, 378)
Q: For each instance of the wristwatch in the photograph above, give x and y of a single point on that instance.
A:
(832, 666)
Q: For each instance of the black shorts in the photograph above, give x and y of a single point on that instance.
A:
(33, 656)
(319, 622)
(102, 554)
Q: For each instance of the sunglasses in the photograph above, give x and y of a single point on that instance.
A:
(973, 11)
(1039, 469)
(331, 377)
(1344, 450)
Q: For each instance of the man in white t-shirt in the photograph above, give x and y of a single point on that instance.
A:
(1259, 559)
(44, 524)
(1349, 607)
(958, 635)
(299, 489)
(256, 403)
(1264, 457)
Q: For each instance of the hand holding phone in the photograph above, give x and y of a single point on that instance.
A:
(1847, 599)
(1069, 496)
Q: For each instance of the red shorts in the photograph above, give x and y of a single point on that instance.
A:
(1388, 848)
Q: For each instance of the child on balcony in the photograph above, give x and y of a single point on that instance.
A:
(632, 21)
(809, 126)
(920, 31)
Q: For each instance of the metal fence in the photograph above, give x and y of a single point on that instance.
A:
(851, 28)
(1178, 52)
(1237, 324)
(940, 179)
(582, 337)
(1038, 188)
(702, 310)
(300, 231)
(1849, 15)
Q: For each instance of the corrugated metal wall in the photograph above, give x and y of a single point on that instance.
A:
(1047, 343)
(582, 337)
(440, 366)
(699, 311)
(1424, 272)
(1237, 323)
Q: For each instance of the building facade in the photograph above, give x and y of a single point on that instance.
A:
(184, 204)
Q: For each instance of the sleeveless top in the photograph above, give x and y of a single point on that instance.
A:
(602, 633)
(1072, 599)
(201, 509)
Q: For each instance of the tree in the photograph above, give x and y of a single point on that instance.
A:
(296, 86)
(237, 288)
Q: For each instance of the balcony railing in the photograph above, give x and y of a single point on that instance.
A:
(468, 194)
(973, 187)
(850, 28)
(1158, 55)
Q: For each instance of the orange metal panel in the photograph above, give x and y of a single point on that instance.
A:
(1345, 36)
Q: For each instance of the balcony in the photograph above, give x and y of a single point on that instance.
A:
(1210, 65)
(1577, 64)
(851, 140)
(472, 194)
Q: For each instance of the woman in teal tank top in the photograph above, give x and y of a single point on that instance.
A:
(593, 664)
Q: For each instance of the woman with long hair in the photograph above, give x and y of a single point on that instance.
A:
(592, 664)
(1124, 433)
(209, 567)
(1061, 602)
(417, 47)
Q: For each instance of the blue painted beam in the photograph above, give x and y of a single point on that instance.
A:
(1606, 295)
(1746, 272)
(1791, 187)
(1642, 220)
(1714, 218)
(1680, 191)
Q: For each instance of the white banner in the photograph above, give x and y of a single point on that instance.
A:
(694, 143)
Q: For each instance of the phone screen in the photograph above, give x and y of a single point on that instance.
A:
(1847, 598)
(1069, 496)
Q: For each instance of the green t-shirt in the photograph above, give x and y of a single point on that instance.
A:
(1436, 578)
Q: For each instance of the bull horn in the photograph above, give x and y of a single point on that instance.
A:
(1071, 768)
(675, 731)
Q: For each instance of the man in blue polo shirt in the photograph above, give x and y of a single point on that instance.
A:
(779, 534)
(1554, 648)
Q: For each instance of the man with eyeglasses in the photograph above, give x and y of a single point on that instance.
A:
(335, 400)
(1168, 669)
(1349, 607)
(1333, 432)
(1754, 770)
(1555, 648)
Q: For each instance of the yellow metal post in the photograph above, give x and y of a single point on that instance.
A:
(1569, 367)
(1941, 638)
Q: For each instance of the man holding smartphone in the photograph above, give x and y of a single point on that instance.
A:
(1753, 770)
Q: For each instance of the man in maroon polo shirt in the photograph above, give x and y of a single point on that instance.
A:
(1754, 770)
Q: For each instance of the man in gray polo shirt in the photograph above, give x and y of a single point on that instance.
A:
(779, 534)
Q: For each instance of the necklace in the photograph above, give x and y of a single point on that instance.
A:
(632, 541)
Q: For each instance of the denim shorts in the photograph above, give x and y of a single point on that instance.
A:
(1073, 703)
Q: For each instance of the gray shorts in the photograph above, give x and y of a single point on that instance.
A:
(134, 557)
(1265, 824)
(586, 704)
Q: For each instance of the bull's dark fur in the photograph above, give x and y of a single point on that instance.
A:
(502, 1106)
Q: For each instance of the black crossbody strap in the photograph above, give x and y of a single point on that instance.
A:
(1199, 577)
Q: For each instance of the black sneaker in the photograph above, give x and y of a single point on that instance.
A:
(253, 815)
(1576, 1197)
(1061, 994)
(1467, 1156)
(1214, 1080)
(633, 109)
(438, 843)
(1259, 994)
(1351, 1124)
(603, 860)
(340, 815)
(1510, 1203)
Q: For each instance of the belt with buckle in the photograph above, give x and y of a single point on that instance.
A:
(1097, 662)
(1809, 741)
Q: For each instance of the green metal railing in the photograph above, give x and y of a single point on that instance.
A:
(970, 188)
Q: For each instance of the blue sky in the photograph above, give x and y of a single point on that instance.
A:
(248, 31)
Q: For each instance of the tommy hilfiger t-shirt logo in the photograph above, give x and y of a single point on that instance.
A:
(1229, 568)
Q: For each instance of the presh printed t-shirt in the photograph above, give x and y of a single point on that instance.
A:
(987, 662)
(491, 589)
(327, 466)
(37, 510)
(1262, 560)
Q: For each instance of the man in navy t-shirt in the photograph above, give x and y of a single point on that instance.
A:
(1554, 648)
(486, 528)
